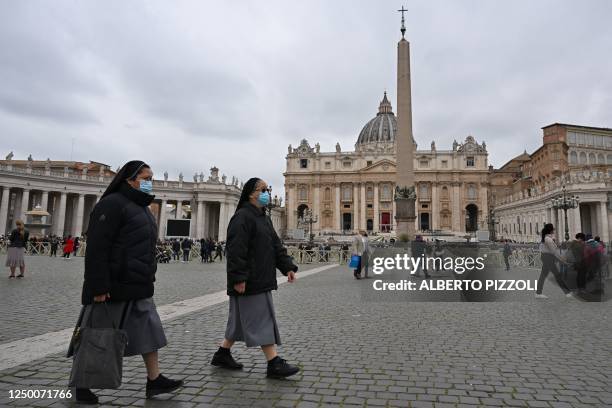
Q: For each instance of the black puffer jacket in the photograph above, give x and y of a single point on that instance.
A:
(120, 255)
(254, 252)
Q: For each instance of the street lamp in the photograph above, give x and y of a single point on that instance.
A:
(309, 218)
(492, 222)
(565, 202)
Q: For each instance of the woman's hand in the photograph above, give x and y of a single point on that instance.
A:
(291, 277)
(101, 298)
(240, 287)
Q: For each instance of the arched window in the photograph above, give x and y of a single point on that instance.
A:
(327, 195)
(600, 159)
(583, 158)
(592, 158)
(573, 158)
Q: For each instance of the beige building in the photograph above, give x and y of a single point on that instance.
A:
(353, 190)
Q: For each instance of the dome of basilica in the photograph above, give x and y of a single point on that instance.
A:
(382, 128)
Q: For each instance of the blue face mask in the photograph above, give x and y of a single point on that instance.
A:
(264, 198)
(146, 186)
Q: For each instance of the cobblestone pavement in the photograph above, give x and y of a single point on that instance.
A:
(387, 352)
(48, 299)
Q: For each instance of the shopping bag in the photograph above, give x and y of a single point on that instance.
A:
(354, 263)
(98, 355)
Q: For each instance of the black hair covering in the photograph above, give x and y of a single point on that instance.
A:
(129, 171)
(248, 188)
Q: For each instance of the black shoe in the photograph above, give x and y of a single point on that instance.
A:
(85, 396)
(162, 385)
(279, 368)
(223, 358)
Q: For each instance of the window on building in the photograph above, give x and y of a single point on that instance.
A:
(347, 193)
(599, 141)
(445, 193)
(369, 163)
(303, 194)
(592, 158)
(583, 158)
(424, 163)
(370, 194)
(369, 205)
(555, 155)
(580, 138)
(469, 162)
(423, 190)
(386, 192)
(444, 164)
(573, 158)
(600, 159)
(346, 164)
(327, 194)
(571, 137)
(589, 140)
(471, 192)
(328, 165)
(303, 163)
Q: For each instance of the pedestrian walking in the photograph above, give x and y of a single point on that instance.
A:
(186, 248)
(507, 251)
(550, 254)
(54, 245)
(254, 252)
(120, 271)
(18, 240)
(77, 245)
(68, 247)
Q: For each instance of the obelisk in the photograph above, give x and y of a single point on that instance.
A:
(405, 195)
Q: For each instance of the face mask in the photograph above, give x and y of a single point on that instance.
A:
(146, 186)
(264, 198)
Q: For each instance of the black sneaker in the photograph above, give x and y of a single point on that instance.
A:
(223, 358)
(162, 385)
(279, 368)
(85, 396)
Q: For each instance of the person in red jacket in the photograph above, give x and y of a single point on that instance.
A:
(68, 247)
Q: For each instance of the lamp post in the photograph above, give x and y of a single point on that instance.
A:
(308, 218)
(491, 221)
(565, 202)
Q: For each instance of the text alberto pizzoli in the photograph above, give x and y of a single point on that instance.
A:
(459, 265)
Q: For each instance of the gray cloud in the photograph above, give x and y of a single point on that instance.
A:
(193, 84)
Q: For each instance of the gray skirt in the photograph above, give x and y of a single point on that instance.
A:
(14, 257)
(140, 320)
(252, 319)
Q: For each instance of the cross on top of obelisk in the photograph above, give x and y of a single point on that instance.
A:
(403, 29)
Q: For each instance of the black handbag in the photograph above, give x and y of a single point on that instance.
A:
(98, 355)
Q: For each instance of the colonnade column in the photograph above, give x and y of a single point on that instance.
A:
(163, 219)
(223, 221)
(376, 213)
(200, 223)
(61, 215)
(25, 199)
(4, 209)
(44, 203)
(78, 228)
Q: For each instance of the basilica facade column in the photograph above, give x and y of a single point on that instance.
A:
(4, 209)
(356, 207)
(316, 207)
(456, 205)
(363, 208)
(337, 214)
(78, 225)
(61, 215)
(376, 213)
(435, 207)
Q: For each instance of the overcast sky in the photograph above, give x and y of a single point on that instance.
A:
(185, 85)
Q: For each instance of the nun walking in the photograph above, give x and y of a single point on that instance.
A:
(254, 252)
(120, 270)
